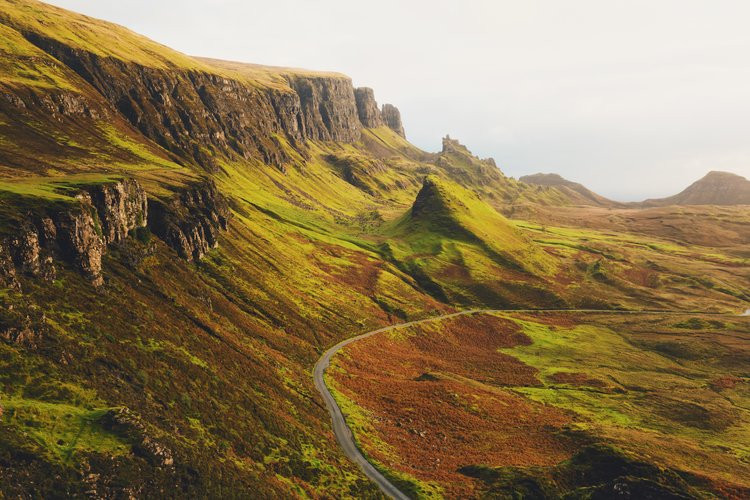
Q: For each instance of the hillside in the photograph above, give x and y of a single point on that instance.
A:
(578, 192)
(716, 188)
(181, 238)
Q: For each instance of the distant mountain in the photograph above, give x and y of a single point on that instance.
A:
(578, 192)
(716, 188)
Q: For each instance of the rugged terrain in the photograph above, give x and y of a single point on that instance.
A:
(181, 238)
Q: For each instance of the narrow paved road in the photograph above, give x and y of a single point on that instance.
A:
(342, 431)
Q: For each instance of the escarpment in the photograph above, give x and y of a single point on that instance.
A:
(190, 222)
(329, 111)
(392, 118)
(77, 232)
(201, 116)
(80, 232)
(367, 107)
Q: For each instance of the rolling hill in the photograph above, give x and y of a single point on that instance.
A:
(578, 192)
(716, 188)
(180, 239)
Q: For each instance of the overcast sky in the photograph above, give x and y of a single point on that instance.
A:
(634, 98)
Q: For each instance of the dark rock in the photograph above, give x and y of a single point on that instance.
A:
(121, 207)
(367, 108)
(392, 118)
(77, 233)
(328, 108)
(190, 222)
(80, 238)
(7, 269)
(25, 250)
(126, 423)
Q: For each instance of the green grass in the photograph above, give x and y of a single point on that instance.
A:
(61, 430)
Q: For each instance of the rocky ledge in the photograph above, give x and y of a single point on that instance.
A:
(190, 222)
(77, 233)
(372, 117)
(80, 232)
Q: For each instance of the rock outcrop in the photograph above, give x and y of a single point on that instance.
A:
(367, 108)
(121, 207)
(329, 110)
(105, 214)
(128, 424)
(392, 118)
(7, 268)
(77, 233)
(190, 222)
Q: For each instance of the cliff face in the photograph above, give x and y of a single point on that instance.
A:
(80, 233)
(190, 222)
(367, 107)
(392, 118)
(191, 113)
(329, 111)
(77, 234)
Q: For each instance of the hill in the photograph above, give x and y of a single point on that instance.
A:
(181, 238)
(577, 192)
(716, 188)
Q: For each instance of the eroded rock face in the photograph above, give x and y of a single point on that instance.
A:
(7, 268)
(105, 214)
(367, 108)
(81, 240)
(190, 222)
(121, 207)
(392, 118)
(78, 234)
(329, 110)
(128, 424)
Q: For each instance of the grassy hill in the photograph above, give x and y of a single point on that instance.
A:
(167, 349)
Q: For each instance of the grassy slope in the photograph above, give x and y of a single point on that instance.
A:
(653, 403)
(215, 357)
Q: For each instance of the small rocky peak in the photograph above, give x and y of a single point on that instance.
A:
(392, 118)
(434, 200)
(454, 146)
(367, 107)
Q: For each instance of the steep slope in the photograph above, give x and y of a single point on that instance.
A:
(181, 238)
(462, 250)
(577, 192)
(716, 188)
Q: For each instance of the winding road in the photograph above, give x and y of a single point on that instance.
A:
(342, 431)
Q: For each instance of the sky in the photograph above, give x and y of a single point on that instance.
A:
(635, 99)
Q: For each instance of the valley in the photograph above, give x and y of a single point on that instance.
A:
(186, 243)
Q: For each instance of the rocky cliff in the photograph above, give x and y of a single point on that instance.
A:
(190, 222)
(392, 118)
(367, 107)
(79, 233)
(208, 110)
